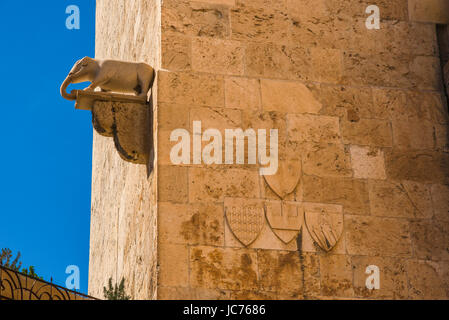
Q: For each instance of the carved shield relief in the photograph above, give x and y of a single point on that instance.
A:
(285, 219)
(324, 224)
(245, 218)
(286, 178)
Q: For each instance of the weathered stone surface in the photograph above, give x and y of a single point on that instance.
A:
(416, 134)
(191, 89)
(392, 103)
(195, 18)
(406, 199)
(399, 38)
(336, 276)
(390, 69)
(377, 236)
(224, 2)
(394, 10)
(436, 11)
(428, 280)
(286, 96)
(441, 138)
(351, 194)
(176, 52)
(326, 160)
(393, 277)
(266, 60)
(413, 38)
(164, 157)
(288, 273)
(266, 120)
(426, 105)
(173, 265)
(310, 27)
(173, 116)
(430, 239)
(368, 163)
(125, 35)
(385, 69)
(420, 197)
(426, 73)
(341, 24)
(172, 184)
(217, 56)
(440, 198)
(242, 93)
(253, 295)
(232, 269)
(194, 224)
(215, 118)
(270, 60)
(368, 132)
(260, 20)
(347, 102)
(390, 10)
(312, 281)
(180, 293)
(280, 271)
(325, 65)
(311, 128)
(124, 210)
(215, 184)
(422, 166)
(446, 76)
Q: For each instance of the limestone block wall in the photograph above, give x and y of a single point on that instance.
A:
(363, 140)
(363, 147)
(124, 217)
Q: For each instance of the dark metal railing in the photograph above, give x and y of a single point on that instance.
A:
(16, 285)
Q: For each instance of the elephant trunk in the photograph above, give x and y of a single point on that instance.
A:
(64, 94)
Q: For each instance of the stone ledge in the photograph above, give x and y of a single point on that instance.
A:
(85, 100)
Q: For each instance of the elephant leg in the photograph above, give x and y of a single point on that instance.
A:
(94, 85)
(146, 79)
(144, 87)
(91, 87)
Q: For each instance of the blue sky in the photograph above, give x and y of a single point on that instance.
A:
(46, 144)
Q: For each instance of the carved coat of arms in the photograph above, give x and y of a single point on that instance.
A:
(286, 217)
(245, 218)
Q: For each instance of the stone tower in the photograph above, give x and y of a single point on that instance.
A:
(363, 152)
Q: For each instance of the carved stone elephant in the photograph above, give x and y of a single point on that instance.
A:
(110, 75)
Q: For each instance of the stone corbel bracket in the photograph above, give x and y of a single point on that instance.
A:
(125, 118)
